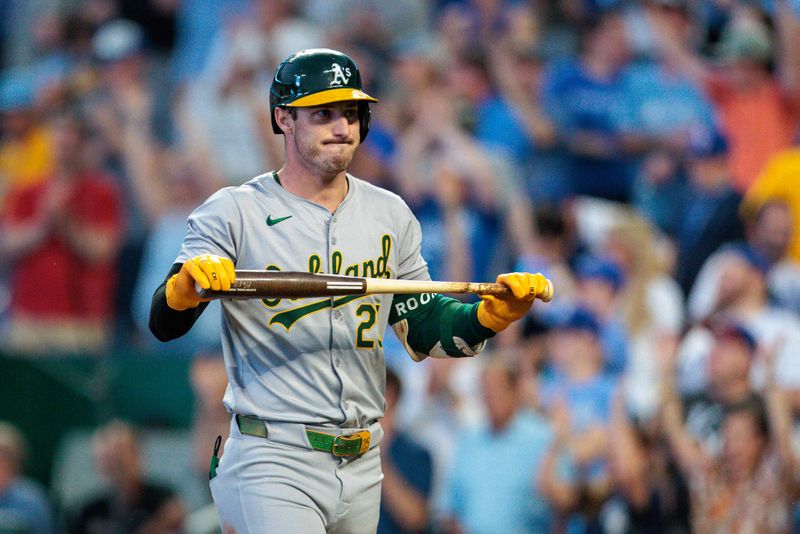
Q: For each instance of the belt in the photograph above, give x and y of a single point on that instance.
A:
(354, 444)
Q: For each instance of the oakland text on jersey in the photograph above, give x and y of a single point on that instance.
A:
(372, 268)
(377, 268)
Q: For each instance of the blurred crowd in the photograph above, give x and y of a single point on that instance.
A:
(641, 154)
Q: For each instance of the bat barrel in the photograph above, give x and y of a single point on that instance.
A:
(276, 284)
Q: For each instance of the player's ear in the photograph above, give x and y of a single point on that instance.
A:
(285, 119)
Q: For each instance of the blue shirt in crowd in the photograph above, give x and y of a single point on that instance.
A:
(498, 127)
(24, 508)
(665, 101)
(482, 227)
(577, 102)
(590, 404)
(493, 479)
(413, 462)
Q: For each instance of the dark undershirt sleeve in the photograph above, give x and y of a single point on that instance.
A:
(165, 323)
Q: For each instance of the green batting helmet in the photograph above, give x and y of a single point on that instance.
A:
(318, 76)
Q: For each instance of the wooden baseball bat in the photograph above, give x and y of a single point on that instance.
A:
(290, 284)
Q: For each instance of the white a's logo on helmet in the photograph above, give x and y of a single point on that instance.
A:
(340, 75)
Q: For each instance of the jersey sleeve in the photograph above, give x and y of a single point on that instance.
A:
(213, 228)
(411, 265)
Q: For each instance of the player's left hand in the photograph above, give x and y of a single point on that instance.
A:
(497, 313)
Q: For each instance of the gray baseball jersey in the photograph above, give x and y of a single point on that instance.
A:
(316, 360)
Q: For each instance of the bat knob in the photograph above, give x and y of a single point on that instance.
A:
(547, 295)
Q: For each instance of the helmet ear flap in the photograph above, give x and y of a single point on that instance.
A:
(364, 117)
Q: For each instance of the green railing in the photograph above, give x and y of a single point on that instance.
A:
(45, 398)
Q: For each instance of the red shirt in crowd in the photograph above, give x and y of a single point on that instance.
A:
(52, 281)
(759, 123)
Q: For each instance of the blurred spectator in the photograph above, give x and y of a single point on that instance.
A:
(650, 305)
(588, 101)
(197, 24)
(519, 76)
(407, 472)
(669, 111)
(168, 184)
(485, 112)
(416, 71)
(225, 106)
(456, 26)
(553, 250)
(749, 487)
(742, 87)
(709, 212)
(131, 503)
(583, 10)
(449, 183)
(373, 161)
(531, 355)
(53, 61)
(126, 71)
(496, 126)
(32, 26)
(741, 295)
(600, 281)
(443, 403)
(768, 232)
(729, 365)
(123, 64)
(26, 149)
(644, 477)
(209, 381)
(778, 182)
(578, 396)
(492, 485)
(373, 24)
(157, 18)
(62, 237)
(24, 506)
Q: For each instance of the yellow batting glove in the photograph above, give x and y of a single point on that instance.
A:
(497, 313)
(209, 272)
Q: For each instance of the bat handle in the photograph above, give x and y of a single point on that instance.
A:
(492, 288)
(502, 290)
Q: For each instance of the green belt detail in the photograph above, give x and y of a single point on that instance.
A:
(251, 426)
(339, 445)
(336, 444)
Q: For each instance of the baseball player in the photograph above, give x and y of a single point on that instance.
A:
(306, 376)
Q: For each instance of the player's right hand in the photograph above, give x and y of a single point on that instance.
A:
(210, 272)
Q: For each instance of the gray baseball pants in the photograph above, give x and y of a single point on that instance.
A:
(279, 484)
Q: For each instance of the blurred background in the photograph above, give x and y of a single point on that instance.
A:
(641, 154)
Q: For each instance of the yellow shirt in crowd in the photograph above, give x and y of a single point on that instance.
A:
(780, 179)
(26, 161)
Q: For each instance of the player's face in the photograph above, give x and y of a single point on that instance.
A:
(326, 137)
